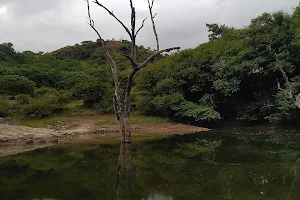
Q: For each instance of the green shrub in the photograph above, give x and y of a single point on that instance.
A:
(23, 98)
(14, 85)
(64, 96)
(47, 102)
(4, 108)
(104, 106)
(44, 90)
(91, 91)
(43, 106)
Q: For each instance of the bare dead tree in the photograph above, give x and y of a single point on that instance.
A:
(290, 95)
(122, 111)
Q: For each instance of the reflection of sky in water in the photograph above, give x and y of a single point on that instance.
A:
(158, 197)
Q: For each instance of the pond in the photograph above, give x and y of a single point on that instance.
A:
(233, 164)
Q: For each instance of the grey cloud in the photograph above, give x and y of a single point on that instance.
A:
(44, 25)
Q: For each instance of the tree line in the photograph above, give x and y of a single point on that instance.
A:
(237, 75)
(41, 84)
(248, 74)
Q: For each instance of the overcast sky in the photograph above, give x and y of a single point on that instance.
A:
(46, 25)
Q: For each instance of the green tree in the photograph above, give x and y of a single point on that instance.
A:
(14, 84)
(7, 51)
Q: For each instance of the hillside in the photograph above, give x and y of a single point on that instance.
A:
(93, 51)
(42, 84)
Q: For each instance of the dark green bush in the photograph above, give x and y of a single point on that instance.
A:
(47, 102)
(14, 85)
(4, 108)
(23, 98)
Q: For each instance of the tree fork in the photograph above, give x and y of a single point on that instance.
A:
(123, 112)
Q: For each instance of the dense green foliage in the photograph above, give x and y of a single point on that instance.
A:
(14, 85)
(51, 80)
(233, 76)
(236, 75)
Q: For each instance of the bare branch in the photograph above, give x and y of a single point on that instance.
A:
(143, 23)
(288, 95)
(133, 62)
(92, 23)
(286, 78)
(290, 86)
(123, 111)
(297, 101)
(113, 66)
(150, 5)
(131, 4)
(133, 17)
(133, 24)
(144, 64)
(114, 16)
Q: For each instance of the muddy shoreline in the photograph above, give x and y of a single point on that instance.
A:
(17, 139)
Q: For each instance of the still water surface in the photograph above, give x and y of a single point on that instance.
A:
(216, 165)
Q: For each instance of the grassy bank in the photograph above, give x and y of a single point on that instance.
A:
(75, 115)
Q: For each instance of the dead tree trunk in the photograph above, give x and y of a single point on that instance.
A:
(123, 111)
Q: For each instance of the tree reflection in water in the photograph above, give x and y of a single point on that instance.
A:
(124, 173)
(188, 167)
(124, 168)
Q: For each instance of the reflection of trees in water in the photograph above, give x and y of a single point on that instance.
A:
(290, 158)
(178, 157)
(205, 148)
(281, 148)
(244, 168)
(124, 168)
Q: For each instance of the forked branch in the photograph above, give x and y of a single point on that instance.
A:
(144, 64)
(133, 36)
(113, 67)
(91, 21)
(289, 95)
(123, 112)
(286, 78)
(132, 61)
(142, 26)
(114, 16)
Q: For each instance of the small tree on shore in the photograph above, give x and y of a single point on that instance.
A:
(122, 111)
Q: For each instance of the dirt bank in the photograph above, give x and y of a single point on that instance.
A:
(16, 139)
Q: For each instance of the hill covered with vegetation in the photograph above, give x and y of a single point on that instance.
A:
(41, 84)
(237, 75)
